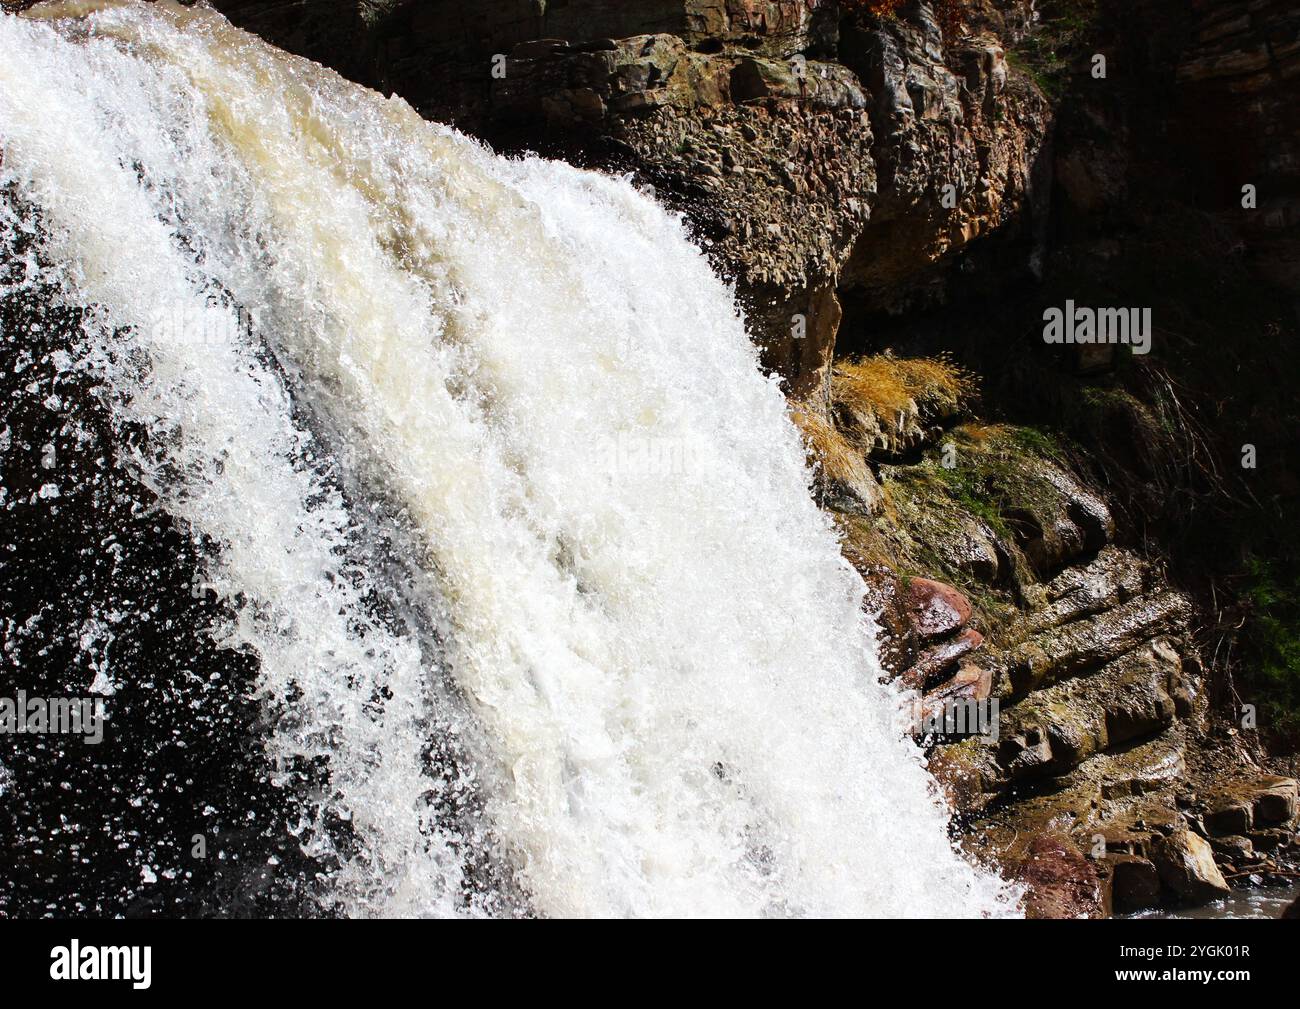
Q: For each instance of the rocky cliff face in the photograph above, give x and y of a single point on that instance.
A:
(1242, 73)
(891, 182)
(809, 159)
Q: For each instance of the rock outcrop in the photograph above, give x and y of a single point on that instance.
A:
(808, 159)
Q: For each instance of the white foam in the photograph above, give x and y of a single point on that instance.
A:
(639, 624)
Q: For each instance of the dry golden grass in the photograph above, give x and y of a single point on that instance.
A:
(838, 460)
(885, 385)
(947, 11)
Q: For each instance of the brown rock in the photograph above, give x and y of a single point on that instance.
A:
(952, 704)
(1233, 847)
(938, 659)
(1059, 882)
(934, 609)
(1232, 818)
(883, 601)
(1135, 883)
(1186, 865)
(1275, 802)
(960, 770)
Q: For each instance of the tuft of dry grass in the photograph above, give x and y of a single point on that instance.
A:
(886, 386)
(948, 12)
(837, 460)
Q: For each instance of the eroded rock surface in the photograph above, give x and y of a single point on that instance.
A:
(808, 158)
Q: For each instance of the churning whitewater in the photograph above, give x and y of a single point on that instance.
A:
(485, 464)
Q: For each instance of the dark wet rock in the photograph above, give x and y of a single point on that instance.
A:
(1232, 848)
(959, 770)
(1059, 882)
(98, 595)
(884, 601)
(1074, 523)
(1135, 883)
(1087, 649)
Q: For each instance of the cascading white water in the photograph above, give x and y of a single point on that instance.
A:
(628, 611)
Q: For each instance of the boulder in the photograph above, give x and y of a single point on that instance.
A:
(1135, 883)
(1229, 819)
(1252, 804)
(1187, 868)
(934, 609)
(1275, 802)
(754, 78)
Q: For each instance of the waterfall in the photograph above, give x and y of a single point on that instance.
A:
(484, 463)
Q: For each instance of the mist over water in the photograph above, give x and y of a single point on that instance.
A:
(490, 482)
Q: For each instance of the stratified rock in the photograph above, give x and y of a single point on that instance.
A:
(1057, 728)
(1106, 581)
(939, 658)
(1088, 644)
(1237, 807)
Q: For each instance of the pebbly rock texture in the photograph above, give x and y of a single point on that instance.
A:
(439, 54)
(957, 136)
